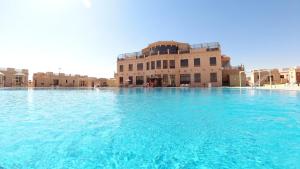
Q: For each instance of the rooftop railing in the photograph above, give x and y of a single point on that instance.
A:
(136, 55)
(234, 67)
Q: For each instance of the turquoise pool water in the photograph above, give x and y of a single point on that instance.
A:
(149, 128)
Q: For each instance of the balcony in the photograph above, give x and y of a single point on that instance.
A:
(215, 46)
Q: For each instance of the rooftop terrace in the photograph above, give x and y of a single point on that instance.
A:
(169, 47)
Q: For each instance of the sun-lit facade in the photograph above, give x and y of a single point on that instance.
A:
(170, 63)
(294, 75)
(11, 77)
(50, 79)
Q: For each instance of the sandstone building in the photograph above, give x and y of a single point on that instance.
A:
(11, 77)
(170, 63)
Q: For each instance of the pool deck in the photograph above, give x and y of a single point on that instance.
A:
(273, 87)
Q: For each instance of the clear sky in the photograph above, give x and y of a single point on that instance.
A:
(86, 36)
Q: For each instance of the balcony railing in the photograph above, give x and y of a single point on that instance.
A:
(136, 55)
(234, 68)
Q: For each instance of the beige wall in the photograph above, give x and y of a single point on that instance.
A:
(233, 76)
(112, 82)
(1, 79)
(265, 77)
(294, 75)
(51, 79)
(12, 77)
(205, 69)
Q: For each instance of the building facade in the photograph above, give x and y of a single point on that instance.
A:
(284, 75)
(1, 79)
(232, 75)
(170, 63)
(294, 75)
(11, 77)
(263, 77)
(50, 79)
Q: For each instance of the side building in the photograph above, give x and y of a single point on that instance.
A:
(11, 77)
(294, 75)
(261, 77)
(232, 75)
(170, 63)
(50, 79)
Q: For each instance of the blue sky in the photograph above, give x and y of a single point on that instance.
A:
(86, 36)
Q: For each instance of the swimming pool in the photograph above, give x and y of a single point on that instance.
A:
(149, 128)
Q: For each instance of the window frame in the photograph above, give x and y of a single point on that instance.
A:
(197, 65)
(210, 61)
(184, 63)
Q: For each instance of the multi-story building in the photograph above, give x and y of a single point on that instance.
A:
(294, 75)
(50, 79)
(170, 63)
(11, 77)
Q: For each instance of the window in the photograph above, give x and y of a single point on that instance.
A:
(165, 64)
(121, 68)
(165, 79)
(152, 64)
(213, 61)
(140, 66)
(197, 77)
(121, 80)
(66, 81)
(282, 76)
(130, 67)
(158, 64)
(148, 65)
(197, 62)
(19, 80)
(184, 63)
(172, 80)
(172, 64)
(139, 80)
(130, 80)
(213, 77)
(185, 79)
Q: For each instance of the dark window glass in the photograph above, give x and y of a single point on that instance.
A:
(148, 65)
(121, 80)
(185, 79)
(213, 77)
(130, 80)
(213, 61)
(164, 49)
(197, 62)
(158, 64)
(152, 64)
(130, 67)
(184, 63)
(121, 68)
(139, 80)
(140, 66)
(172, 64)
(165, 64)
(197, 77)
